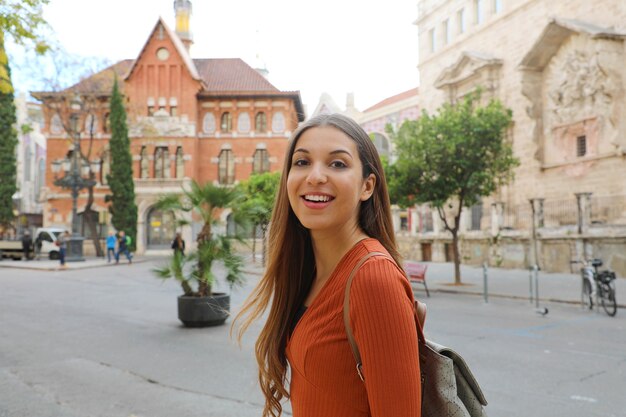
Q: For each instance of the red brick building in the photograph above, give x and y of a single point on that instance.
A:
(216, 120)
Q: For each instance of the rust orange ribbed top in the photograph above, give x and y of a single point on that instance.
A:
(324, 381)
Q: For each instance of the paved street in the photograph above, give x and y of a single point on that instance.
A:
(105, 341)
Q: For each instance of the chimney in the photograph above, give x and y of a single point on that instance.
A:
(182, 9)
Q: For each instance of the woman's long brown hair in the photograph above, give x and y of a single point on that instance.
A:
(291, 263)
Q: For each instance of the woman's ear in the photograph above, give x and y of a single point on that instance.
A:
(369, 184)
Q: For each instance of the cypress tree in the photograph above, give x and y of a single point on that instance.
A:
(123, 208)
(8, 142)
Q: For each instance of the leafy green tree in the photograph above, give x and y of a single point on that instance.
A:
(23, 21)
(260, 191)
(123, 208)
(452, 159)
(8, 142)
(205, 201)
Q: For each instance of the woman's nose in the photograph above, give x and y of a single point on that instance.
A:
(316, 175)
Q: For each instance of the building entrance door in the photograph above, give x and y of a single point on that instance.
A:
(161, 228)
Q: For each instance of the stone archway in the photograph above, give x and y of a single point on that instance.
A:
(160, 228)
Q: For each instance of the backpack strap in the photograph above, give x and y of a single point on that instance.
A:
(419, 312)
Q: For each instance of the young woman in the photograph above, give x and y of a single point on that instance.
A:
(332, 208)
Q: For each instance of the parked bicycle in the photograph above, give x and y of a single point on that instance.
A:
(597, 285)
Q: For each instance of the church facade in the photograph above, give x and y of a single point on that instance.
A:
(559, 65)
(209, 120)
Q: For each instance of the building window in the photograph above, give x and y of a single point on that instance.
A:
(105, 167)
(91, 124)
(56, 125)
(261, 161)
(581, 146)
(106, 126)
(460, 20)
(381, 143)
(243, 123)
(446, 31)
(162, 162)
(173, 111)
(278, 122)
(477, 215)
(226, 167)
(260, 122)
(150, 111)
(226, 124)
(478, 11)
(497, 6)
(208, 123)
(432, 40)
(40, 180)
(180, 164)
(143, 163)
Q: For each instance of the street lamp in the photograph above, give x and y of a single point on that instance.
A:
(74, 179)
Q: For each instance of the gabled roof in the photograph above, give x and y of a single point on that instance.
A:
(413, 92)
(99, 84)
(555, 33)
(178, 44)
(231, 74)
(467, 65)
(326, 105)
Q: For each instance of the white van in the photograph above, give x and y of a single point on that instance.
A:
(49, 237)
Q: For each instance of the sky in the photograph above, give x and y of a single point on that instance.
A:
(368, 48)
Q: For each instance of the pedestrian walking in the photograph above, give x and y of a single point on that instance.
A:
(123, 243)
(38, 246)
(62, 240)
(111, 241)
(178, 244)
(27, 245)
(331, 211)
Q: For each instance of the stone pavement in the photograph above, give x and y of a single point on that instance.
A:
(508, 283)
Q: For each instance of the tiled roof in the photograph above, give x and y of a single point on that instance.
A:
(231, 75)
(393, 99)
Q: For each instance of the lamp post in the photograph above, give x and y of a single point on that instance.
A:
(75, 170)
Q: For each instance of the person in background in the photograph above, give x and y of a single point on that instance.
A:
(38, 245)
(27, 245)
(178, 244)
(111, 241)
(122, 247)
(62, 243)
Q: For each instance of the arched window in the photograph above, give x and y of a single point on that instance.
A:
(28, 156)
(381, 143)
(180, 164)
(243, 123)
(208, 123)
(105, 167)
(143, 163)
(278, 122)
(261, 161)
(56, 125)
(260, 123)
(91, 124)
(226, 124)
(161, 162)
(106, 126)
(161, 228)
(226, 167)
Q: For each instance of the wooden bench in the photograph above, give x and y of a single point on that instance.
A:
(416, 272)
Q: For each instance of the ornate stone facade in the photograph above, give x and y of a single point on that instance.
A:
(559, 65)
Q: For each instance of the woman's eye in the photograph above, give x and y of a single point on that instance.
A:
(338, 164)
(299, 162)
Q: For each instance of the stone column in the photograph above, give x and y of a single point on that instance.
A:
(584, 212)
(497, 217)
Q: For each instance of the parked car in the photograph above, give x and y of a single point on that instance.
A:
(11, 248)
(49, 237)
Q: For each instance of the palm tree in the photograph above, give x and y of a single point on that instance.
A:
(205, 200)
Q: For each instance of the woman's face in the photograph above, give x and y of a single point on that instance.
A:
(325, 184)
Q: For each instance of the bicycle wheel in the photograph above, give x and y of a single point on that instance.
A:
(587, 300)
(607, 299)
